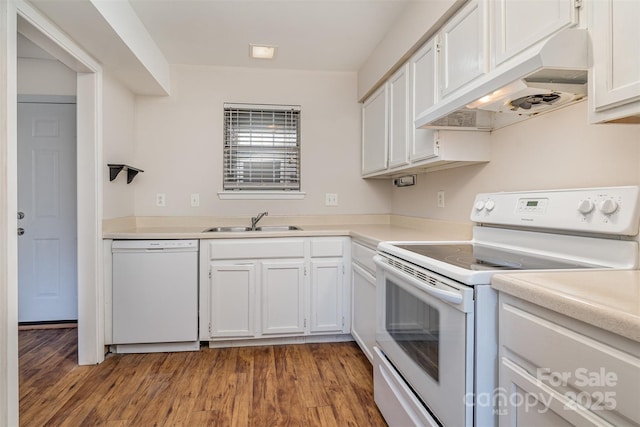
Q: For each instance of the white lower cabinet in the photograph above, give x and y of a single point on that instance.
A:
(363, 290)
(232, 300)
(281, 287)
(555, 370)
(327, 288)
(283, 293)
(330, 297)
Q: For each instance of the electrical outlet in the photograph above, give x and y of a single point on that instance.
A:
(331, 199)
(441, 199)
(161, 199)
(195, 200)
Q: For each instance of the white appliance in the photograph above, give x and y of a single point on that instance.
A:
(550, 75)
(436, 361)
(155, 296)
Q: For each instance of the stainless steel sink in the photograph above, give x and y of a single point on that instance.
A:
(226, 229)
(244, 229)
(278, 228)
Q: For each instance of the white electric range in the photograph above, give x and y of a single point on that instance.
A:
(436, 356)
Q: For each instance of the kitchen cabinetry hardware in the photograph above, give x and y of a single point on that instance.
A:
(114, 170)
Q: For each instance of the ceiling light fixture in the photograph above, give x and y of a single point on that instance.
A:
(258, 51)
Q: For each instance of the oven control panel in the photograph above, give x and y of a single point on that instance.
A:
(610, 210)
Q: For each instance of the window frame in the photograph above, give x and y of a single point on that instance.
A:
(231, 152)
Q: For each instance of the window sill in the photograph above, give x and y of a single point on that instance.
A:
(261, 195)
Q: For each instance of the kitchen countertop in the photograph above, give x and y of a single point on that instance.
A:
(607, 299)
(398, 229)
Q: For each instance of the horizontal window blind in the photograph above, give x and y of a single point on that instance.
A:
(261, 147)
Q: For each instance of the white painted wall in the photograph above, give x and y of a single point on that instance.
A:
(118, 147)
(179, 142)
(45, 77)
(556, 150)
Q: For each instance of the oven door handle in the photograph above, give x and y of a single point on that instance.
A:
(448, 296)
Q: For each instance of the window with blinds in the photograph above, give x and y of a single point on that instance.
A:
(261, 147)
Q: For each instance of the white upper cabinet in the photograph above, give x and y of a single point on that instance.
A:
(463, 47)
(518, 25)
(424, 81)
(614, 92)
(399, 129)
(375, 136)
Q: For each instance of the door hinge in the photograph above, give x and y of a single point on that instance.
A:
(210, 328)
(305, 270)
(209, 273)
(305, 323)
(438, 47)
(577, 4)
(342, 322)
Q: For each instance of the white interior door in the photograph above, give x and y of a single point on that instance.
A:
(47, 251)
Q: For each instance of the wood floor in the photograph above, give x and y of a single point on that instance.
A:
(296, 385)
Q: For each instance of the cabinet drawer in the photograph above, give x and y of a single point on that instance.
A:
(327, 247)
(256, 248)
(363, 255)
(572, 362)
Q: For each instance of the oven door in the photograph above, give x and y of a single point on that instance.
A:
(425, 329)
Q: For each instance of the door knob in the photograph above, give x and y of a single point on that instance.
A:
(20, 231)
(20, 215)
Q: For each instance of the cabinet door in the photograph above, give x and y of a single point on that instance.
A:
(363, 312)
(526, 401)
(424, 81)
(615, 36)
(232, 299)
(374, 132)
(327, 278)
(399, 130)
(518, 25)
(283, 296)
(463, 47)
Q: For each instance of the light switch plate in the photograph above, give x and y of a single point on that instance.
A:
(441, 199)
(161, 199)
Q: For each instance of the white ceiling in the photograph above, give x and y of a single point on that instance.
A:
(336, 35)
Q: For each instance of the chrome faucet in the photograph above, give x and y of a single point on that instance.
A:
(255, 219)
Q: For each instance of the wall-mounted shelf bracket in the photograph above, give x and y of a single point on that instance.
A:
(114, 170)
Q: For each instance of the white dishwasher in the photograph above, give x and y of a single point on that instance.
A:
(155, 296)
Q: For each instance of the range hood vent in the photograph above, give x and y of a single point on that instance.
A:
(551, 77)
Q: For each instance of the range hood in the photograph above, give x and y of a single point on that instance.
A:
(551, 76)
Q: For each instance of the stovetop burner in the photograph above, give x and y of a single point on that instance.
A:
(479, 257)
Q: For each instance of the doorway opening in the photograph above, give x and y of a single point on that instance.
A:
(89, 174)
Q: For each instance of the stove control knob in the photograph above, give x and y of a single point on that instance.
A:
(608, 206)
(585, 206)
(490, 205)
(479, 205)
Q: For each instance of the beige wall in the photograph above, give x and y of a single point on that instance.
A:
(118, 147)
(556, 150)
(45, 77)
(179, 142)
